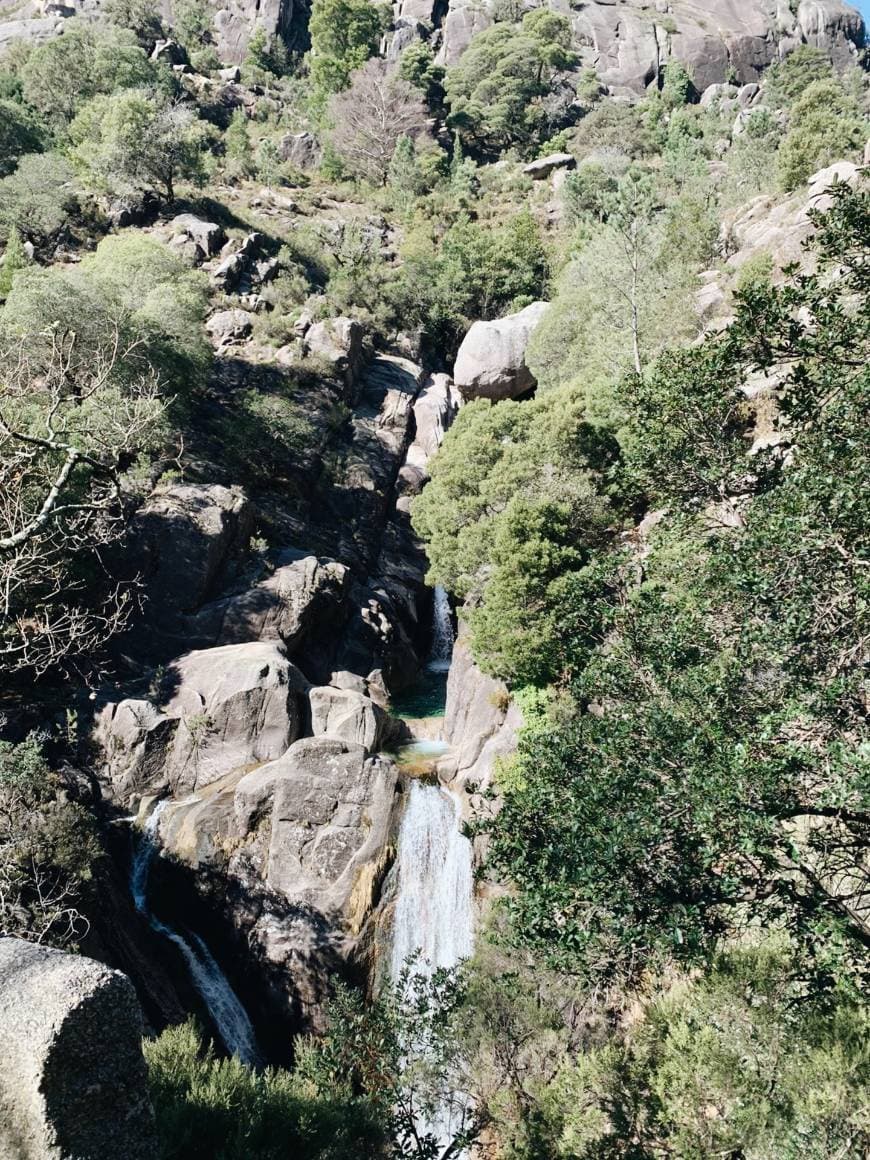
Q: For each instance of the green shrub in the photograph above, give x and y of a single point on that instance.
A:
(63, 74)
(826, 125)
(495, 91)
(38, 198)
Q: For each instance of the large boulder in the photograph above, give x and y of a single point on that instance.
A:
(299, 600)
(236, 706)
(182, 541)
(339, 343)
(224, 710)
(73, 1083)
(491, 363)
(435, 409)
(349, 715)
(227, 326)
(324, 808)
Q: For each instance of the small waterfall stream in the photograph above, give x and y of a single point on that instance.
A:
(227, 1012)
(442, 633)
(434, 914)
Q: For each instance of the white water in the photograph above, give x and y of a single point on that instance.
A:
(433, 910)
(442, 632)
(227, 1012)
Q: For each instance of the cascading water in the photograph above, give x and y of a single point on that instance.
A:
(434, 913)
(442, 632)
(228, 1014)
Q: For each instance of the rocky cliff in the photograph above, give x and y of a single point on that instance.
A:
(627, 43)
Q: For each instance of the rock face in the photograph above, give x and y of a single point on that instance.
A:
(491, 363)
(72, 1077)
(228, 709)
(338, 342)
(628, 43)
(481, 723)
(182, 542)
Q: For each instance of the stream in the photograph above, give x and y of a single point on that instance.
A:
(224, 1006)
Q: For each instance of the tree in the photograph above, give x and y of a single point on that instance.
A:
(48, 849)
(89, 359)
(622, 299)
(497, 90)
(825, 125)
(67, 435)
(14, 258)
(344, 34)
(720, 783)
(139, 138)
(371, 117)
(63, 74)
(193, 23)
(141, 17)
(417, 66)
(20, 133)
(238, 151)
(265, 55)
(38, 198)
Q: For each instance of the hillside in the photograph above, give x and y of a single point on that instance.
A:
(433, 546)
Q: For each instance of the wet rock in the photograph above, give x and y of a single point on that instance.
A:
(481, 722)
(73, 1081)
(326, 806)
(491, 363)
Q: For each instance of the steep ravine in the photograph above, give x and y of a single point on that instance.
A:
(261, 771)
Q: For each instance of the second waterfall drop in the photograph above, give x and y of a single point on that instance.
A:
(434, 913)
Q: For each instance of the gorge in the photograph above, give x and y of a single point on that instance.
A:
(434, 580)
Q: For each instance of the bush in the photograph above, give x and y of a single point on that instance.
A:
(63, 74)
(38, 198)
(138, 139)
(49, 849)
(344, 34)
(826, 125)
(495, 91)
(20, 133)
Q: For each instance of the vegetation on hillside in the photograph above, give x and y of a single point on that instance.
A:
(663, 553)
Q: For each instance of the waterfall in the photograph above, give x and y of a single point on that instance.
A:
(433, 910)
(434, 919)
(442, 632)
(227, 1012)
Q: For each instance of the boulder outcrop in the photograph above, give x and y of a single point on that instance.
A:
(491, 363)
(72, 1077)
(182, 542)
(225, 710)
(628, 43)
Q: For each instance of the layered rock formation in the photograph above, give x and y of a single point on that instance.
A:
(72, 1077)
